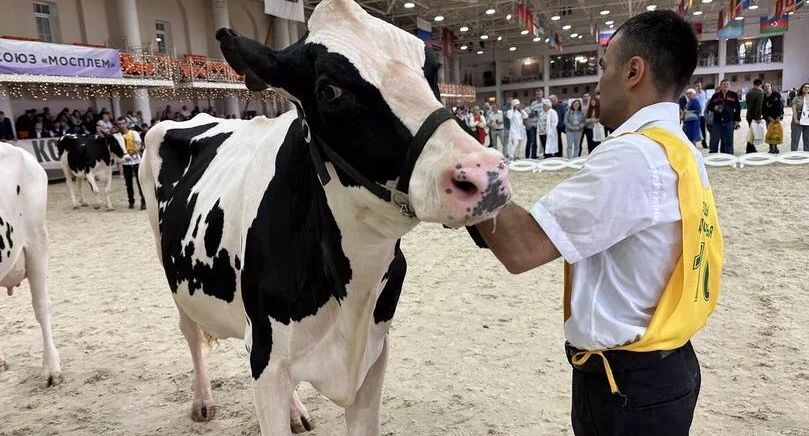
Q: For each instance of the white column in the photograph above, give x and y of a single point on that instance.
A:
(280, 33)
(546, 74)
(128, 14)
(221, 17)
(723, 60)
(116, 107)
(232, 106)
(140, 101)
(456, 68)
(5, 106)
(294, 34)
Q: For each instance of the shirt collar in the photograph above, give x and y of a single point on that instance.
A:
(654, 112)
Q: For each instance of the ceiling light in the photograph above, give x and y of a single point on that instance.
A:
(490, 11)
(512, 48)
(609, 22)
(439, 18)
(707, 1)
(537, 39)
(556, 18)
(651, 7)
(508, 17)
(409, 5)
(480, 52)
(484, 37)
(739, 18)
(527, 61)
(697, 12)
(524, 32)
(604, 12)
(566, 27)
(790, 13)
(464, 47)
(158, 39)
(753, 7)
(464, 29)
(499, 38)
(612, 26)
(547, 40)
(553, 62)
(574, 35)
(580, 36)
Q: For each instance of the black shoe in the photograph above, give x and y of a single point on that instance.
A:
(131, 205)
(142, 205)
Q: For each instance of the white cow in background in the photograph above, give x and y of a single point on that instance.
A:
(24, 242)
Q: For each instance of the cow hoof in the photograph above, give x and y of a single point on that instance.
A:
(84, 205)
(96, 207)
(110, 209)
(75, 206)
(3, 365)
(203, 412)
(54, 379)
(302, 426)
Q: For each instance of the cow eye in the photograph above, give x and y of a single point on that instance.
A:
(329, 93)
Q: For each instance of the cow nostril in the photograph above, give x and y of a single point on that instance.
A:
(466, 187)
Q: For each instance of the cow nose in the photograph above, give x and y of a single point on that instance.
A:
(478, 184)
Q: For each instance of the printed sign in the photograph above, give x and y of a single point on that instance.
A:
(46, 153)
(33, 57)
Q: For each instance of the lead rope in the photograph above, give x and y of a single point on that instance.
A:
(581, 357)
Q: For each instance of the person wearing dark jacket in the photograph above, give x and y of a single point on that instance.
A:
(755, 104)
(6, 133)
(726, 109)
(773, 110)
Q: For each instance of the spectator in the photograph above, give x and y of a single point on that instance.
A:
(726, 110)
(495, 119)
(516, 135)
(104, 125)
(39, 131)
(59, 128)
(478, 124)
(755, 104)
(560, 107)
(574, 125)
(531, 131)
(791, 96)
(179, 116)
(773, 110)
(131, 119)
(139, 117)
(133, 147)
(6, 132)
(590, 107)
(25, 124)
(166, 114)
(506, 124)
(195, 111)
(74, 123)
(549, 120)
(691, 117)
(800, 118)
(185, 112)
(702, 97)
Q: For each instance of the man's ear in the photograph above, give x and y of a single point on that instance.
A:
(636, 70)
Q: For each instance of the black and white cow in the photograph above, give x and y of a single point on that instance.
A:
(89, 157)
(24, 242)
(257, 244)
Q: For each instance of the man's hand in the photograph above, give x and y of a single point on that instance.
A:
(517, 240)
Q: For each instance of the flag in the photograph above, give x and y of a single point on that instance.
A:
(529, 20)
(521, 12)
(604, 37)
(539, 28)
(287, 9)
(773, 26)
(594, 29)
(740, 8)
(697, 26)
(731, 10)
(734, 29)
(558, 40)
(779, 8)
(448, 42)
(424, 30)
(720, 22)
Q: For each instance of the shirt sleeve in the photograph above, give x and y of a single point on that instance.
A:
(616, 194)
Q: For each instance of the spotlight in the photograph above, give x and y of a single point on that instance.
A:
(439, 18)
(464, 47)
(651, 7)
(604, 12)
(512, 48)
(409, 5)
(490, 11)
(524, 32)
(464, 29)
(480, 52)
(574, 35)
(566, 27)
(697, 13)
(609, 22)
(556, 18)
(537, 39)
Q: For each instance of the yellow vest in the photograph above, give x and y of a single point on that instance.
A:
(693, 288)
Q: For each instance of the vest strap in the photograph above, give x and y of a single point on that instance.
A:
(581, 358)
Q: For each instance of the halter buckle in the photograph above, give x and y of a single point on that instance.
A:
(402, 200)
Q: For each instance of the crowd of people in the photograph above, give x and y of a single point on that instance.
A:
(34, 124)
(542, 127)
(708, 119)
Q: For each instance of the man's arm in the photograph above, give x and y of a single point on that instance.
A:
(517, 240)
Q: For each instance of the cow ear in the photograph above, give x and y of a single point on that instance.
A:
(257, 62)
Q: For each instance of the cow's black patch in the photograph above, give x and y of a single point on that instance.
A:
(18, 189)
(389, 297)
(293, 258)
(184, 162)
(85, 151)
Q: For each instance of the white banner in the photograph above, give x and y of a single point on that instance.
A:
(33, 57)
(289, 9)
(46, 153)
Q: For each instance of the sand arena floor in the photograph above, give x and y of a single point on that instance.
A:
(475, 351)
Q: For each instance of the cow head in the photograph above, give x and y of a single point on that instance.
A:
(366, 87)
(112, 144)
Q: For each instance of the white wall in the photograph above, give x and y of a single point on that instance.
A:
(796, 53)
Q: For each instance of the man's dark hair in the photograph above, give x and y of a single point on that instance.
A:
(757, 82)
(121, 119)
(724, 80)
(666, 42)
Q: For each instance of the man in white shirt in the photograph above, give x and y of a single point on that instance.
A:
(618, 223)
(495, 120)
(133, 148)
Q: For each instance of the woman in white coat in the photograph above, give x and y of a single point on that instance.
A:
(516, 132)
(547, 134)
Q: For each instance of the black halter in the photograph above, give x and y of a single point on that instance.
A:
(397, 194)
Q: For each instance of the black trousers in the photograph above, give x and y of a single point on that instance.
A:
(591, 145)
(657, 398)
(531, 143)
(703, 131)
(131, 171)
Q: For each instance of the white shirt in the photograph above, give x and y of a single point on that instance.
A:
(617, 221)
(804, 118)
(516, 129)
(129, 159)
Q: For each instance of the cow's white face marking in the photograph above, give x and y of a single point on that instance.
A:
(392, 61)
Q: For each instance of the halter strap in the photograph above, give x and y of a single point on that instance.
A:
(435, 119)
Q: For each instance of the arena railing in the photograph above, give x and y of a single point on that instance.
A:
(712, 160)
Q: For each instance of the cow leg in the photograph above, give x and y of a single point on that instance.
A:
(36, 260)
(108, 189)
(91, 179)
(202, 409)
(80, 188)
(300, 422)
(273, 391)
(70, 185)
(362, 416)
(3, 363)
